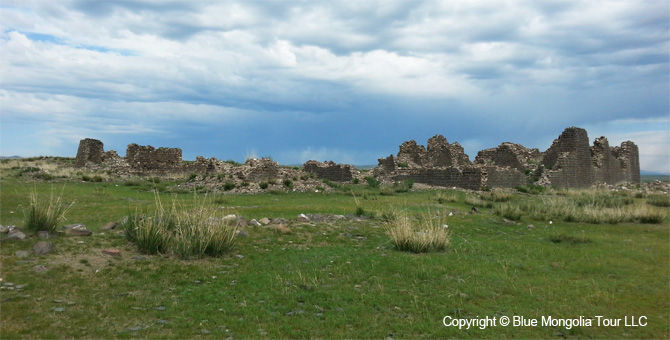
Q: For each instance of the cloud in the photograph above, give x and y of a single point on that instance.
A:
(290, 77)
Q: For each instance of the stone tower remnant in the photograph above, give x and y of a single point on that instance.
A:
(90, 151)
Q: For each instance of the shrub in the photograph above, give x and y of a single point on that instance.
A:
(403, 165)
(372, 182)
(263, 185)
(496, 196)
(420, 236)
(45, 214)
(565, 238)
(43, 176)
(330, 183)
(509, 211)
(182, 232)
(531, 189)
(288, 184)
(447, 196)
(356, 181)
(662, 201)
(229, 186)
(403, 186)
(154, 180)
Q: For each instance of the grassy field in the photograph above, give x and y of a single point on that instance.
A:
(340, 278)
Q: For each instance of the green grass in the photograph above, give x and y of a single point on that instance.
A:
(336, 279)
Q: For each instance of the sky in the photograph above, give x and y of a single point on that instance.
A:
(347, 81)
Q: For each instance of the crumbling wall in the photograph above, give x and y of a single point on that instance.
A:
(510, 155)
(497, 177)
(330, 170)
(148, 158)
(568, 160)
(258, 170)
(411, 155)
(468, 177)
(607, 168)
(628, 155)
(440, 153)
(90, 151)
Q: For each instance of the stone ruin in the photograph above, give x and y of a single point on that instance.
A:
(330, 171)
(569, 163)
(90, 152)
(148, 158)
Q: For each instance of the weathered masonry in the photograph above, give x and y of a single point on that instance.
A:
(570, 162)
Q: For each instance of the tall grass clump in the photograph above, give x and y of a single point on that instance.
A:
(662, 201)
(45, 214)
(417, 236)
(181, 231)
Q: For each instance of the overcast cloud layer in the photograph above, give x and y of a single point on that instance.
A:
(347, 81)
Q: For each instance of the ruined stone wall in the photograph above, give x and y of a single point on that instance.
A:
(258, 170)
(496, 177)
(468, 177)
(628, 155)
(607, 168)
(330, 170)
(148, 158)
(568, 160)
(90, 151)
(510, 155)
(442, 154)
(411, 154)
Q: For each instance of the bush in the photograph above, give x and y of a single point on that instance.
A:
(531, 189)
(496, 196)
(181, 232)
(509, 211)
(263, 185)
(447, 196)
(372, 182)
(45, 214)
(421, 236)
(403, 186)
(229, 186)
(288, 184)
(662, 201)
(331, 183)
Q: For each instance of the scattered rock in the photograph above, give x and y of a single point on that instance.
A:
(160, 308)
(4, 229)
(474, 210)
(230, 217)
(109, 226)
(264, 221)
(555, 264)
(16, 235)
(111, 252)
(139, 258)
(44, 234)
(530, 226)
(242, 233)
(162, 322)
(463, 295)
(205, 331)
(303, 218)
(76, 230)
(239, 256)
(58, 309)
(22, 253)
(282, 229)
(39, 269)
(255, 223)
(42, 247)
(508, 222)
